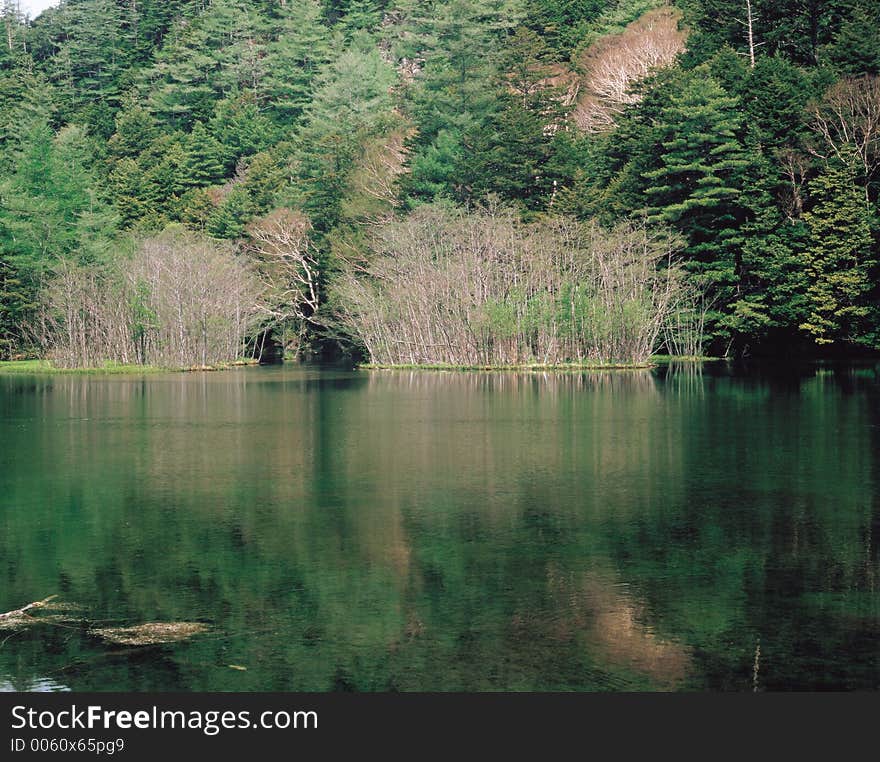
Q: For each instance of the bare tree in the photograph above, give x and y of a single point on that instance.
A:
(847, 124)
(794, 168)
(372, 195)
(203, 299)
(286, 261)
(84, 322)
(482, 288)
(616, 63)
(180, 301)
(749, 23)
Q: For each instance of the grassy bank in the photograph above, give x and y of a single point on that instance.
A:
(44, 366)
(530, 367)
(653, 362)
(10, 367)
(663, 359)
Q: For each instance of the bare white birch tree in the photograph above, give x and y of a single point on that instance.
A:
(482, 288)
(612, 66)
(847, 124)
(180, 301)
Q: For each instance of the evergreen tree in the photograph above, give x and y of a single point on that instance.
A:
(229, 218)
(92, 54)
(564, 23)
(241, 129)
(775, 95)
(351, 100)
(508, 154)
(203, 160)
(50, 211)
(136, 128)
(772, 299)
(459, 42)
(839, 261)
(856, 47)
(221, 52)
(362, 15)
(697, 187)
(302, 47)
(264, 179)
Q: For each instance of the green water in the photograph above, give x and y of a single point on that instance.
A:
(667, 529)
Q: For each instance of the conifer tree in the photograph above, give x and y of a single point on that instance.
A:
(697, 187)
(301, 48)
(241, 129)
(839, 260)
(203, 162)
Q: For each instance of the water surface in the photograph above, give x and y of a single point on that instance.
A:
(676, 529)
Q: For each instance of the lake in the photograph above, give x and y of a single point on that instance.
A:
(684, 528)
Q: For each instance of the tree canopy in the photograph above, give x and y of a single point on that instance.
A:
(760, 150)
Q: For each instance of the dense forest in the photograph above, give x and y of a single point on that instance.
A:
(455, 181)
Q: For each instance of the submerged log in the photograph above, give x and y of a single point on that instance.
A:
(150, 634)
(24, 617)
(51, 611)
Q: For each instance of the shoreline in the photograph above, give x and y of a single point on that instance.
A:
(45, 367)
(502, 368)
(653, 362)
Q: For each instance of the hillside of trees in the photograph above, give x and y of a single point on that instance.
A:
(462, 181)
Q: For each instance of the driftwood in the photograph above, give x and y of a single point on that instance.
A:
(24, 617)
(51, 611)
(150, 634)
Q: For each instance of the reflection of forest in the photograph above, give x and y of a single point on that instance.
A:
(433, 530)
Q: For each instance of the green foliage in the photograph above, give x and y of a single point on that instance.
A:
(795, 29)
(50, 212)
(231, 215)
(856, 46)
(775, 96)
(203, 158)
(135, 129)
(687, 161)
(351, 101)
(301, 47)
(91, 56)
(211, 112)
(264, 178)
(839, 259)
(241, 129)
(564, 23)
(219, 53)
(509, 152)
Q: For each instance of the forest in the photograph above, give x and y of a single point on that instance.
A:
(455, 182)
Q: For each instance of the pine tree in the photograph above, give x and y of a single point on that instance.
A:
(697, 187)
(221, 52)
(136, 128)
(229, 218)
(303, 45)
(203, 159)
(451, 103)
(772, 280)
(856, 48)
(564, 23)
(839, 260)
(90, 60)
(51, 211)
(351, 102)
(16, 302)
(508, 154)
(362, 15)
(241, 129)
(460, 41)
